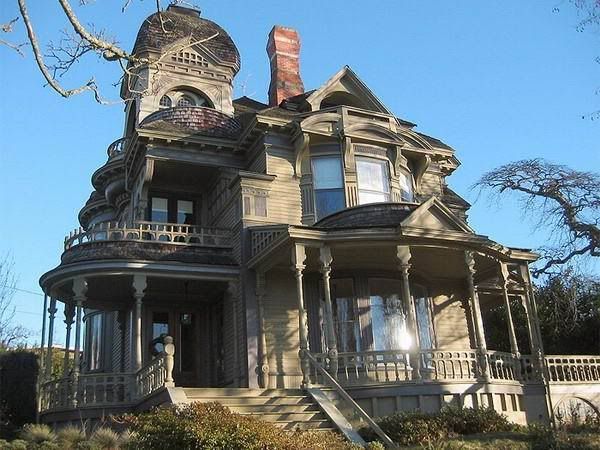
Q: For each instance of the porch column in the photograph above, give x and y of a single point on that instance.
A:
(403, 254)
(139, 288)
(79, 291)
(533, 322)
(298, 258)
(332, 350)
(478, 319)
(52, 313)
(69, 317)
(263, 361)
(232, 294)
(122, 324)
(514, 347)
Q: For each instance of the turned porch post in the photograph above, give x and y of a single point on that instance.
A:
(533, 322)
(69, 317)
(514, 347)
(139, 288)
(332, 350)
(403, 254)
(298, 258)
(79, 291)
(478, 319)
(263, 362)
(52, 313)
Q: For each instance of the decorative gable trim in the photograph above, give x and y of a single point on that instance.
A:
(418, 216)
(361, 91)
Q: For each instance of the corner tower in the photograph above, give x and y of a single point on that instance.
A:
(191, 62)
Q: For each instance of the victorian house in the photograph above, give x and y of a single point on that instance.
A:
(303, 260)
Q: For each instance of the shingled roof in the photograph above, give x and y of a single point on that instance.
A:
(161, 30)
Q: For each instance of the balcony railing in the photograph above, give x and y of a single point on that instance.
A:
(573, 368)
(117, 148)
(150, 231)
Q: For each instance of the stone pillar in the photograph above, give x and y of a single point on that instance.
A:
(79, 291)
(332, 350)
(69, 317)
(169, 349)
(139, 288)
(263, 360)
(403, 254)
(52, 314)
(298, 259)
(514, 347)
(475, 307)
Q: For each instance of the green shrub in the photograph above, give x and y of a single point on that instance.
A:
(37, 434)
(105, 439)
(70, 437)
(212, 426)
(17, 444)
(474, 420)
(410, 428)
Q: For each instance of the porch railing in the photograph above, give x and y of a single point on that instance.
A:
(573, 368)
(109, 389)
(150, 231)
(390, 366)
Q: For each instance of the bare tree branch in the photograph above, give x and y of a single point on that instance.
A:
(10, 333)
(8, 28)
(566, 200)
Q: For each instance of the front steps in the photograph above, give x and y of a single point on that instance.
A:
(289, 409)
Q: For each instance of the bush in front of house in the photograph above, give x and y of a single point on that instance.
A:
(212, 426)
(474, 420)
(411, 428)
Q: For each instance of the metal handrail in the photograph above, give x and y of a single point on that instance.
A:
(342, 393)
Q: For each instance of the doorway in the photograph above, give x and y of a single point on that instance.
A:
(198, 337)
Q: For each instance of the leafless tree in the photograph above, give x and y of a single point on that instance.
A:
(78, 41)
(566, 200)
(11, 333)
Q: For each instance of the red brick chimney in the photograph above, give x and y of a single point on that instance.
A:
(283, 49)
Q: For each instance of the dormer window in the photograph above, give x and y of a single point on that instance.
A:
(165, 102)
(186, 100)
(373, 180)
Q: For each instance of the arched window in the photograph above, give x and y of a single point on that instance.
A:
(165, 102)
(186, 100)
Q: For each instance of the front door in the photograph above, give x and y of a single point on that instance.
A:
(198, 338)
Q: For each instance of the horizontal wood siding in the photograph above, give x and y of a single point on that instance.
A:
(281, 329)
(284, 203)
(450, 321)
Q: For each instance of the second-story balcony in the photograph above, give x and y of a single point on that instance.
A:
(142, 240)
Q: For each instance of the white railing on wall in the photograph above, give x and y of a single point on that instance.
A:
(451, 364)
(150, 231)
(573, 368)
(105, 389)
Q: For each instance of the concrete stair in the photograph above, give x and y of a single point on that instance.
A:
(289, 409)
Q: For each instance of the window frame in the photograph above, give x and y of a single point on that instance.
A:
(172, 207)
(382, 162)
(90, 318)
(341, 188)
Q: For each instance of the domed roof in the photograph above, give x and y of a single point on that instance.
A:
(163, 29)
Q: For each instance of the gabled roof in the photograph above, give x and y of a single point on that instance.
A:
(433, 214)
(346, 81)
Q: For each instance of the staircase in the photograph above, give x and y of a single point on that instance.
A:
(289, 409)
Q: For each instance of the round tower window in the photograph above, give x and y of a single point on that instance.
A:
(186, 100)
(165, 102)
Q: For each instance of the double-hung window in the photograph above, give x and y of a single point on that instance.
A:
(373, 180)
(328, 185)
(406, 186)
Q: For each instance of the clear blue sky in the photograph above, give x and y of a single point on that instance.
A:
(499, 81)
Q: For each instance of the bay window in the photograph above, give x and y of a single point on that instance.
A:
(328, 184)
(373, 180)
(406, 186)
